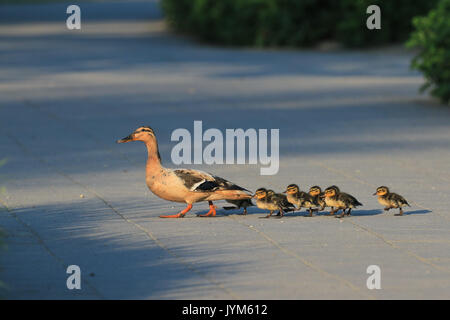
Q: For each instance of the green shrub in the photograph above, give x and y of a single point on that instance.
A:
(432, 37)
(253, 22)
(396, 21)
(292, 22)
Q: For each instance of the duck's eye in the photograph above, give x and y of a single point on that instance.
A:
(144, 130)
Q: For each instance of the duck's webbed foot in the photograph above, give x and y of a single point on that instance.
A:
(211, 212)
(400, 213)
(178, 215)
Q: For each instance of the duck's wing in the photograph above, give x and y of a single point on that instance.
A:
(281, 200)
(306, 197)
(350, 199)
(398, 198)
(196, 180)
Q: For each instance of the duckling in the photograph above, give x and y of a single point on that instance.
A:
(183, 185)
(300, 198)
(240, 204)
(286, 206)
(391, 200)
(329, 203)
(316, 192)
(269, 200)
(341, 200)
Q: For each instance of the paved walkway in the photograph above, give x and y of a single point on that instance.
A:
(72, 196)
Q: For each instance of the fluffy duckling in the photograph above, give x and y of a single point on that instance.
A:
(281, 199)
(390, 200)
(300, 199)
(328, 203)
(183, 185)
(240, 204)
(269, 200)
(340, 200)
(316, 192)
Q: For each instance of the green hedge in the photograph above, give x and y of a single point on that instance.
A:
(292, 22)
(432, 36)
(252, 22)
(396, 21)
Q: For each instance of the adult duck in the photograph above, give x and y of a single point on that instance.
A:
(182, 185)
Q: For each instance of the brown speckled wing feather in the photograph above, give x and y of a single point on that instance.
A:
(196, 180)
(397, 198)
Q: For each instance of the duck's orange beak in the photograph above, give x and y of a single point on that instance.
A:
(126, 139)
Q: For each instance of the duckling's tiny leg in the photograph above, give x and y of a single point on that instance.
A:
(245, 211)
(180, 214)
(342, 214)
(211, 212)
(400, 212)
(280, 213)
(349, 211)
(269, 215)
(332, 211)
(310, 212)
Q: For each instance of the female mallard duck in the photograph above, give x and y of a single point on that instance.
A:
(183, 185)
(316, 192)
(300, 199)
(240, 204)
(340, 200)
(390, 200)
(269, 200)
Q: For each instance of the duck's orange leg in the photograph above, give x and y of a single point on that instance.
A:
(211, 212)
(180, 214)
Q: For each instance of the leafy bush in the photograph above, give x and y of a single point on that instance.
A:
(396, 21)
(292, 22)
(253, 22)
(432, 36)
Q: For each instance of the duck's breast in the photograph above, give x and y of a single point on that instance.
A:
(167, 186)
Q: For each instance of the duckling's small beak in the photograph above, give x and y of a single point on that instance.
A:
(375, 194)
(322, 196)
(284, 191)
(254, 196)
(126, 139)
